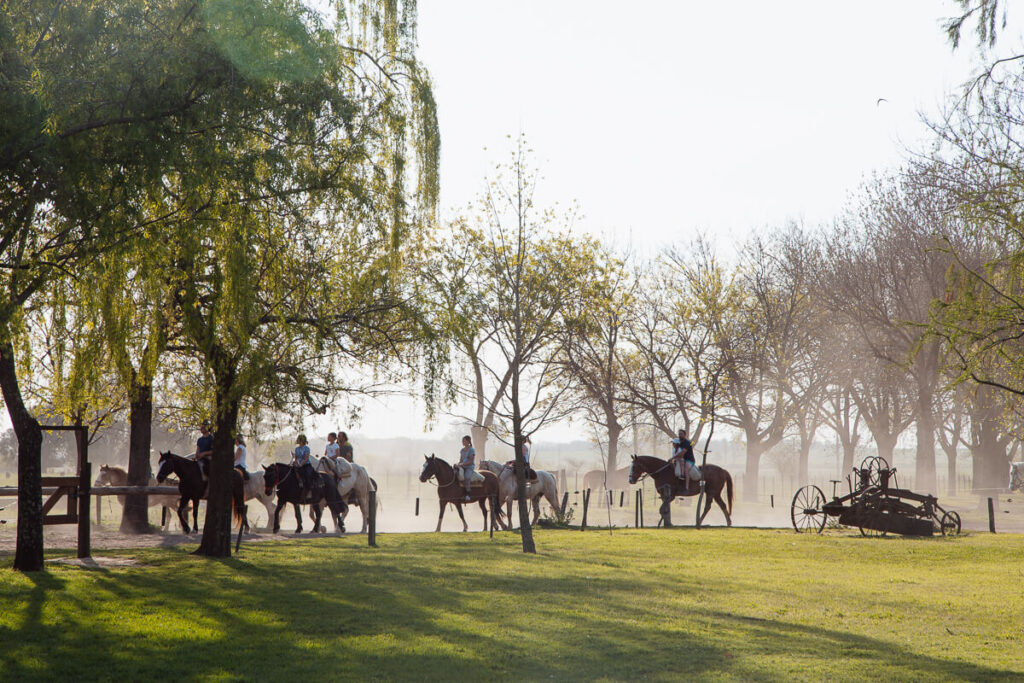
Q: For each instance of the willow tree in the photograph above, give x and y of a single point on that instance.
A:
(294, 261)
(194, 109)
(77, 161)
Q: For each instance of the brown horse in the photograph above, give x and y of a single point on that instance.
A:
(599, 480)
(669, 485)
(450, 490)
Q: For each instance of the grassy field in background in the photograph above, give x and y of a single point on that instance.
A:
(716, 604)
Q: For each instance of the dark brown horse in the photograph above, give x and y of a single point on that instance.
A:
(450, 490)
(669, 486)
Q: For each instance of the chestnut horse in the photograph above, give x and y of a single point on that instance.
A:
(669, 486)
(450, 490)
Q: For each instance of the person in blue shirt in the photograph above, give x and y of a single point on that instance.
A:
(300, 460)
(204, 448)
(467, 463)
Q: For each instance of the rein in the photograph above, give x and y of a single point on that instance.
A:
(437, 474)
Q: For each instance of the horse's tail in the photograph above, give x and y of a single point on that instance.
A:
(728, 489)
(238, 500)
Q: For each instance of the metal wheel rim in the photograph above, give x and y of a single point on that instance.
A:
(950, 523)
(806, 510)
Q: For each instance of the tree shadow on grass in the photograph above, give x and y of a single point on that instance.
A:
(447, 613)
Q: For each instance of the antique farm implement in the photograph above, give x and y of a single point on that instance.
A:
(875, 504)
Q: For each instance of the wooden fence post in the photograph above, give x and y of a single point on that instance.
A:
(991, 516)
(99, 511)
(417, 506)
(641, 508)
(371, 534)
(586, 504)
(622, 497)
(494, 504)
(636, 509)
(565, 502)
(84, 540)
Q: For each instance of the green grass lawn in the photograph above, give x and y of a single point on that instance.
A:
(716, 604)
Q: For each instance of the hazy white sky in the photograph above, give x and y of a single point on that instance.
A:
(663, 119)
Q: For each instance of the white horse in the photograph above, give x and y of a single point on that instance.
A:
(546, 486)
(111, 475)
(354, 488)
(1017, 476)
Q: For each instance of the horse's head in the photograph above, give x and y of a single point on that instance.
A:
(166, 466)
(635, 470)
(269, 479)
(104, 476)
(429, 468)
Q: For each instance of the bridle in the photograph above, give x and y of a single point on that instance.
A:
(644, 474)
(280, 480)
(436, 475)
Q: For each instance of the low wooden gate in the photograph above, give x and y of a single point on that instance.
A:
(65, 486)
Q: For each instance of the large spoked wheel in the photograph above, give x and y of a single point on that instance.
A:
(807, 510)
(950, 523)
(873, 464)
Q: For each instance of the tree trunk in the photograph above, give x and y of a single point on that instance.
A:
(217, 528)
(135, 518)
(614, 431)
(802, 475)
(886, 446)
(28, 555)
(950, 468)
(479, 435)
(989, 462)
(849, 451)
(924, 470)
(750, 478)
(517, 433)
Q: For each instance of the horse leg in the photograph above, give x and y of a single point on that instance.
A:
(721, 504)
(298, 517)
(707, 504)
(483, 508)
(276, 517)
(465, 527)
(666, 505)
(195, 515)
(536, 510)
(318, 510)
(440, 515)
(182, 517)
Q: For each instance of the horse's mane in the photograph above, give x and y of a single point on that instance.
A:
(442, 461)
(653, 458)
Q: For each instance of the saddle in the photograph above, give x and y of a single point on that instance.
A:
(695, 473)
(339, 468)
(476, 479)
(531, 474)
(245, 474)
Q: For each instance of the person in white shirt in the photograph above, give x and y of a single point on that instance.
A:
(333, 449)
(240, 456)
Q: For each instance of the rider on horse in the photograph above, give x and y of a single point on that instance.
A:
(204, 449)
(467, 463)
(304, 468)
(683, 459)
(240, 456)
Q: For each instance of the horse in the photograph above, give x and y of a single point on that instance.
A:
(450, 490)
(111, 475)
(602, 479)
(1017, 477)
(669, 485)
(192, 488)
(545, 486)
(354, 489)
(289, 490)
